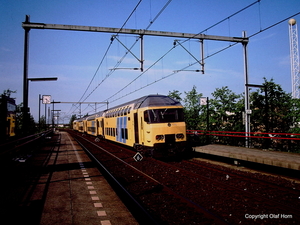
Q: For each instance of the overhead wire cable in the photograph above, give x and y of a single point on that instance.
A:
(171, 74)
(187, 39)
(111, 71)
(105, 54)
(119, 62)
(140, 74)
(150, 24)
(215, 53)
(273, 25)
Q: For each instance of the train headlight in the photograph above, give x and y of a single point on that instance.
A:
(179, 136)
(159, 137)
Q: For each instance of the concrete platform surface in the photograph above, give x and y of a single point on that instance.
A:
(75, 192)
(273, 158)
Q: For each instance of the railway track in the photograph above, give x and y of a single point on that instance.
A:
(166, 206)
(272, 187)
(189, 193)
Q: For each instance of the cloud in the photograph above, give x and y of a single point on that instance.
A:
(5, 49)
(284, 60)
(264, 37)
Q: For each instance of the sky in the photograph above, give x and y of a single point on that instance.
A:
(83, 61)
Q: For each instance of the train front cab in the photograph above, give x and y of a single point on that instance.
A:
(162, 129)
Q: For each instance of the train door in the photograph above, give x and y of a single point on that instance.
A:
(8, 128)
(136, 128)
(102, 126)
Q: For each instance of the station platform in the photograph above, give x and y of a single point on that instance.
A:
(272, 158)
(73, 191)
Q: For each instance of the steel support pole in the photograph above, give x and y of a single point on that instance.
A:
(142, 53)
(39, 113)
(247, 104)
(25, 108)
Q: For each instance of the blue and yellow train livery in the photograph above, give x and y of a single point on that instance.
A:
(153, 124)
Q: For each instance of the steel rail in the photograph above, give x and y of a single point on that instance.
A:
(188, 201)
(13, 145)
(242, 191)
(142, 212)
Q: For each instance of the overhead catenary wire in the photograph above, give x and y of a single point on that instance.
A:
(129, 49)
(186, 67)
(119, 62)
(180, 43)
(106, 52)
(169, 75)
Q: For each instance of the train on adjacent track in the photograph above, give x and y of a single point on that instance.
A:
(153, 124)
(7, 117)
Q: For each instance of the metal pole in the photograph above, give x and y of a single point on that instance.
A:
(46, 122)
(202, 55)
(39, 112)
(53, 115)
(247, 104)
(207, 121)
(25, 109)
(142, 53)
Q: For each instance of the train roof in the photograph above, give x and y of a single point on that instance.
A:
(150, 101)
(156, 100)
(145, 101)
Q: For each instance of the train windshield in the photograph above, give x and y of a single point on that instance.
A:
(166, 115)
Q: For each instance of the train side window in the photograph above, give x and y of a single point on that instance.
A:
(123, 111)
(146, 116)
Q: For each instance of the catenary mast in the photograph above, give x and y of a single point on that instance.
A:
(294, 55)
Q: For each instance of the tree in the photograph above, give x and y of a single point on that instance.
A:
(192, 109)
(175, 95)
(8, 92)
(42, 123)
(73, 117)
(273, 111)
(226, 110)
(19, 122)
(294, 115)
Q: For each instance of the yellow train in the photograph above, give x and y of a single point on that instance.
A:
(7, 117)
(153, 124)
